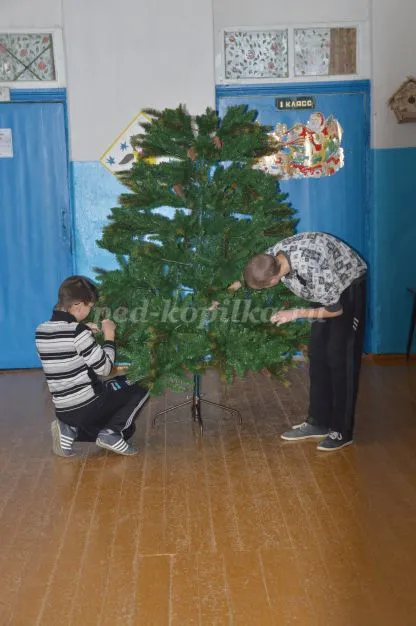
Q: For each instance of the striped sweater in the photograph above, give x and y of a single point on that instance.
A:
(71, 360)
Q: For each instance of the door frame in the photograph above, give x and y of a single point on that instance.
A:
(57, 95)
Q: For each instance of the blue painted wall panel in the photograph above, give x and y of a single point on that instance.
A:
(394, 233)
(95, 192)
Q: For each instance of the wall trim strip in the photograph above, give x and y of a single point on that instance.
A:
(351, 86)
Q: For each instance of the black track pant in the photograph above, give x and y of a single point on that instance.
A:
(117, 407)
(335, 351)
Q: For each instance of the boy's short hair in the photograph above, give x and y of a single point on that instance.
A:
(260, 270)
(76, 289)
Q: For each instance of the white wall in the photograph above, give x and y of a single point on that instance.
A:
(31, 13)
(122, 57)
(394, 59)
(272, 12)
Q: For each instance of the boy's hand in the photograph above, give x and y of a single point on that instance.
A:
(214, 305)
(109, 329)
(283, 317)
(93, 327)
(234, 286)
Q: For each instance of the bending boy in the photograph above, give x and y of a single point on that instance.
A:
(325, 271)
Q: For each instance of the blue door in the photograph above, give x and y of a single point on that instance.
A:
(35, 224)
(337, 204)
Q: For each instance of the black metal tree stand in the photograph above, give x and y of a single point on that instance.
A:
(195, 401)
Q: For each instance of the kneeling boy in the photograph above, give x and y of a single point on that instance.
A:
(87, 409)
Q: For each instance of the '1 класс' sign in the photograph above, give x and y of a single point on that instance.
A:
(303, 102)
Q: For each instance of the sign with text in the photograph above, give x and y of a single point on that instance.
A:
(6, 143)
(298, 103)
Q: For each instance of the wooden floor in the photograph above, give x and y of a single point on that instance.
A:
(239, 528)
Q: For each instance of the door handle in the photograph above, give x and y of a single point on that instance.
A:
(64, 224)
(66, 233)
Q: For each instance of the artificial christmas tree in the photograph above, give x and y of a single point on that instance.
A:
(171, 268)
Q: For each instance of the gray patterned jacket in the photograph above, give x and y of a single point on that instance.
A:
(321, 267)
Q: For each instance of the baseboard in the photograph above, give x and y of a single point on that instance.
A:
(390, 359)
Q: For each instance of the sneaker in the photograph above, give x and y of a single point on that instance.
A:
(334, 441)
(115, 442)
(63, 436)
(305, 431)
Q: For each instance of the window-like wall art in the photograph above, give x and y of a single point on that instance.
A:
(290, 53)
(27, 57)
(325, 51)
(256, 54)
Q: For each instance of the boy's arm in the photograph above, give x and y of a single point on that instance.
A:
(290, 315)
(321, 312)
(99, 358)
